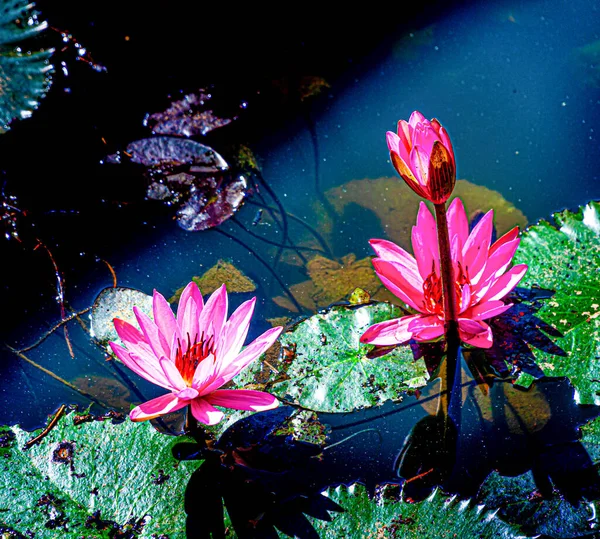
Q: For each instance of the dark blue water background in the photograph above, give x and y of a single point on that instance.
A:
(508, 81)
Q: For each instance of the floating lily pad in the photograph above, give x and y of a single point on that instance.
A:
(396, 205)
(385, 517)
(222, 272)
(96, 479)
(24, 74)
(114, 303)
(170, 151)
(565, 259)
(332, 281)
(187, 117)
(324, 367)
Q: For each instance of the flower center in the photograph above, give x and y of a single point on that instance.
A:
(432, 290)
(195, 352)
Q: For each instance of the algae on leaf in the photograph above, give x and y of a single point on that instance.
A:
(94, 479)
(24, 74)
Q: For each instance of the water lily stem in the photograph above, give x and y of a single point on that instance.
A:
(447, 278)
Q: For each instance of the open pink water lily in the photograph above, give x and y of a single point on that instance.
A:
(481, 273)
(422, 154)
(193, 355)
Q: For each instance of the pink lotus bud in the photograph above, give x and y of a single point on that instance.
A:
(422, 154)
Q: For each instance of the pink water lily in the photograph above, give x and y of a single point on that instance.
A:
(193, 355)
(422, 154)
(481, 279)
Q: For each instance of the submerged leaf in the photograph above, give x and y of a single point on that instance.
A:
(396, 205)
(222, 272)
(332, 281)
(94, 478)
(24, 74)
(187, 117)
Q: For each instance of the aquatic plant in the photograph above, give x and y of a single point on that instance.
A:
(481, 279)
(193, 355)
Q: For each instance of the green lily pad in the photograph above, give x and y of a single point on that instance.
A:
(385, 517)
(324, 367)
(93, 479)
(24, 74)
(114, 303)
(565, 259)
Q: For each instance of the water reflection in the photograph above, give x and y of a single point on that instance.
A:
(451, 434)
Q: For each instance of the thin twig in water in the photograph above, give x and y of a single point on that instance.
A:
(271, 242)
(60, 290)
(112, 272)
(56, 377)
(284, 287)
(312, 230)
(53, 329)
(45, 432)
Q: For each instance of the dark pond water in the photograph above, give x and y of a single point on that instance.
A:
(516, 84)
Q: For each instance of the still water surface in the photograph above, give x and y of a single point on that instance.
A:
(516, 86)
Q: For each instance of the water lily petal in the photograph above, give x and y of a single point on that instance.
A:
(505, 283)
(253, 351)
(488, 309)
(405, 133)
(172, 374)
(478, 241)
(458, 224)
(165, 321)
(445, 140)
(149, 370)
(242, 399)
(389, 332)
(397, 146)
(164, 404)
(465, 298)
(511, 235)
(477, 334)
(151, 334)
(133, 339)
(388, 250)
(205, 412)
(206, 373)
(415, 118)
(426, 328)
(235, 330)
(419, 164)
(401, 283)
(214, 314)
(190, 306)
(500, 260)
(403, 168)
(424, 233)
